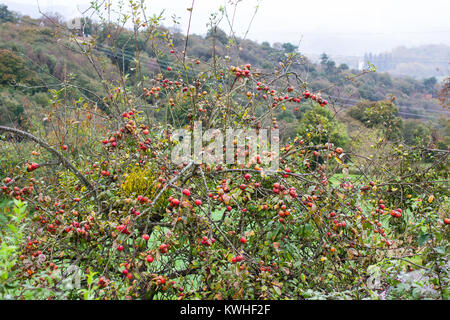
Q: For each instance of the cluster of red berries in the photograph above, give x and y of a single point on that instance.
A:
(163, 248)
(123, 229)
(111, 140)
(379, 229)
(207, 242)
(32, 166)
(237, 259)
(135, 212)
(165, 83)
(126, 271)
(80, 229)
(128, 114)
(102, 282)
(341, 224)
(174, 202)
(105, 173)
(143, 199)
(307, 95)
(396, 213)
(241, 72)
(16, 192)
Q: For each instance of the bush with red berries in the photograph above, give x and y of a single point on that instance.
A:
(138, 226)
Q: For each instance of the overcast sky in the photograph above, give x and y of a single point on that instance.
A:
(347, 27)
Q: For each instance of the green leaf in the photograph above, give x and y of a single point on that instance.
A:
(424, 237)
(12, 228)
(440, 250)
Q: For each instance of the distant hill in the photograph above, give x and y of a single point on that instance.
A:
(417, 62)
(33, 62)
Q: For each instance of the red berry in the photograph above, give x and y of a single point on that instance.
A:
(198, 202)
(163, 248)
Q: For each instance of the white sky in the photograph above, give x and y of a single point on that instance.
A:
(347, 27)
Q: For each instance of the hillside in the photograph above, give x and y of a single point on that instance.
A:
(37, 57)
(417, 62)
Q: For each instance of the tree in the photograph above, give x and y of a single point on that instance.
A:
(382, 114)
(6, 15)
(289, 47)
(220, 35)
(266, 46)
(324, 59)
(415, 132)
(343, 67)
(327, 63)
(430, 84)
(319, 126)
(13, 69)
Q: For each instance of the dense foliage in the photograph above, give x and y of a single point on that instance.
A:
(94, 208)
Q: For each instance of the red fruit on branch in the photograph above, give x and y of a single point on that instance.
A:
(33, 166)
(175, 203)
(163, 248)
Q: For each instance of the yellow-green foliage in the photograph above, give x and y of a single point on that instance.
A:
(140, 181)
